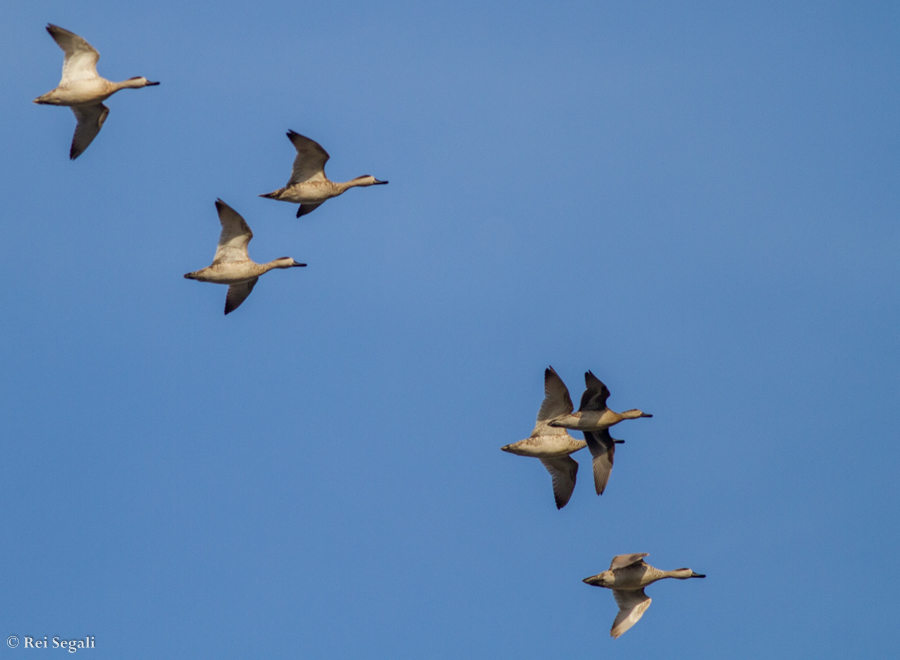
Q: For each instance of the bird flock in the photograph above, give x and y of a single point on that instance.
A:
(551, 443)
(83, 90)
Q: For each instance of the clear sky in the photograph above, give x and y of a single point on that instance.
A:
(696, 200)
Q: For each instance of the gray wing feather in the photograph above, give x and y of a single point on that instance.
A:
(596, 394)
(237, 293)
(306, 208)
(90, 121)
(81, 58)
(309, 165)
(556, 397)
(603, 450)
(621, 561)
(235, 235)
(563, 471)
(632, 605)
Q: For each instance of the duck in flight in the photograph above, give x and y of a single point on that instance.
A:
(82, 89)
(308, 185)
(627, 576)
(553, 446)
(232, 265)
(593, 415)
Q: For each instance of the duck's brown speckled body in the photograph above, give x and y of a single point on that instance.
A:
(308, 185)
(232, 265)
(627, 576)
(82, 88)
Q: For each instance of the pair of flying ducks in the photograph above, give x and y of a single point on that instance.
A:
(551, 443)
(84, 90)
(308, 186)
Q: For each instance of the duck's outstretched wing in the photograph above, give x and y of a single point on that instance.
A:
(621, 561)
(234, 238)
(309, 165)
(306, 208)
(596, 394)
(556, 397)
(563, 470)
(603, 449)
(81, 58)
(632, 605)
(237, 293)
(90, 121)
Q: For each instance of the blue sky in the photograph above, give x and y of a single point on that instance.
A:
(697, 201)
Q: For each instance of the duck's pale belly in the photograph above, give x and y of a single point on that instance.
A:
(79, 92)
(309, 193)
(547, 446)
(233, 274)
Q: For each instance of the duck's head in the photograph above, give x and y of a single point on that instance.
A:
(516, 448)
(287, 262)
(140, 81)
(604, 579)
(368, 180)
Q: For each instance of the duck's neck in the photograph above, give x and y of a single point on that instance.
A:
(283, 262)
(131, 83)
(341, 186)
